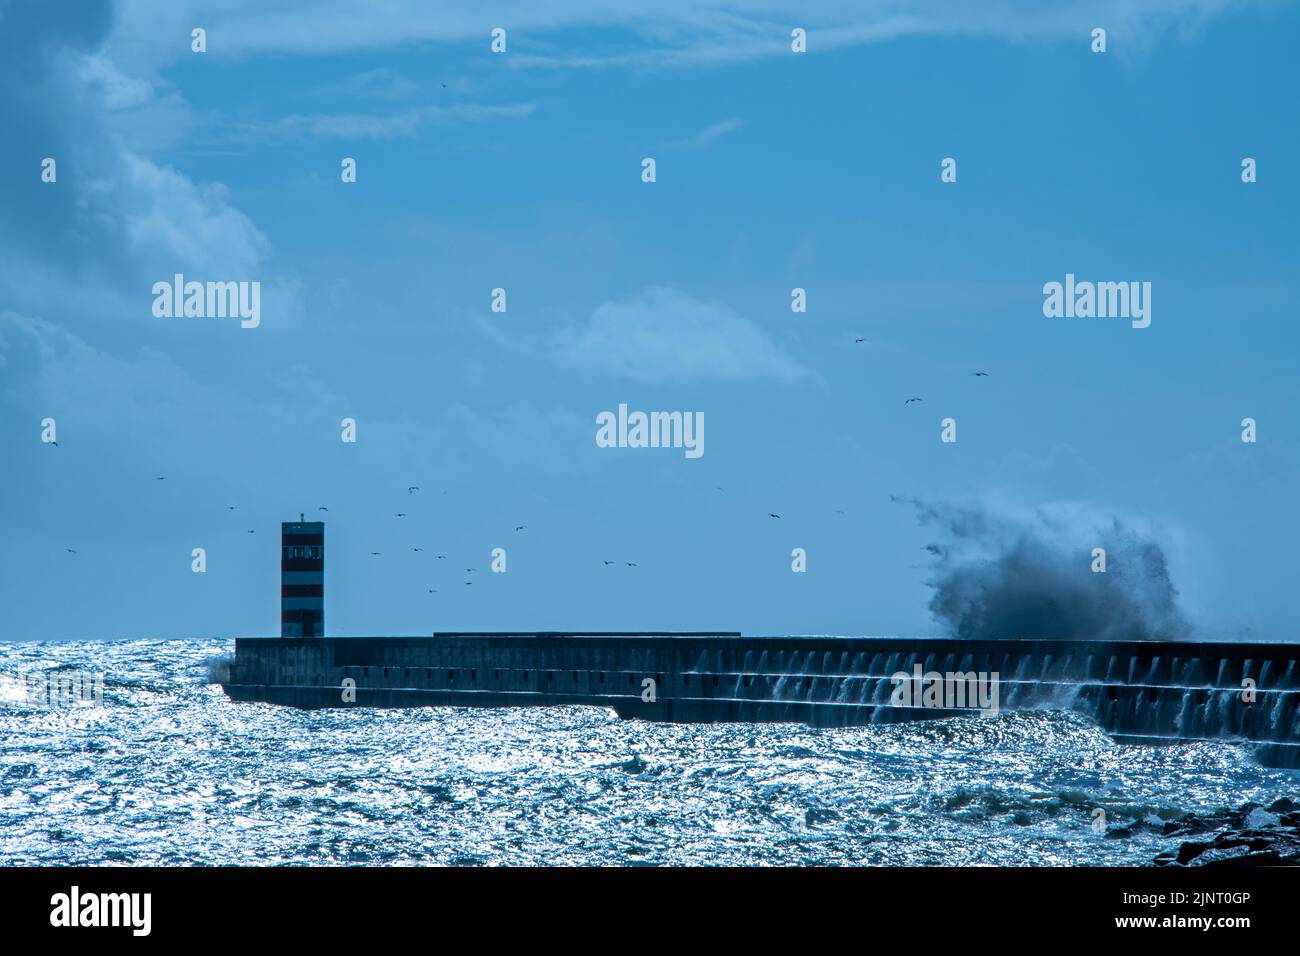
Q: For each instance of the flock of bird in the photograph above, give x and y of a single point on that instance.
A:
(413, 489)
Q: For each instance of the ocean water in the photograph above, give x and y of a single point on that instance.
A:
(170, 771)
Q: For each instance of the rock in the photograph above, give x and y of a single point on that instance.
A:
(1259, 819)
(1249, 836)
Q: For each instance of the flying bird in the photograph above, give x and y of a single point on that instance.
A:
(412, 489)
(399, 514)
(632, 564)
(469, 582)
(859, 341)
(433, 590)
(69, 550)
(522, 527)
(230, 507)
(251, 531)
(417, 549)
(375, 554)
(470, 570)
(322, 508)
(770, 515)
(441, 557)
(984, 374)
(607, 563)
(911, 400)
(161, 478)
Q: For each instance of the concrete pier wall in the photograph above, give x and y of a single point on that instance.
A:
(1139, 691)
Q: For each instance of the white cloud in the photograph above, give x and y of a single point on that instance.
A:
(352, 126)
(670, 32)
(705, 137)
(168, 218)
(663, 334)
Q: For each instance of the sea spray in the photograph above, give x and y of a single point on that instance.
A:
(217, 668)
(1005, 576)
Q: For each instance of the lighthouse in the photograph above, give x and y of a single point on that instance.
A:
(302, 578)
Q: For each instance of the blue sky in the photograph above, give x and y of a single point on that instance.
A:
(775, 170)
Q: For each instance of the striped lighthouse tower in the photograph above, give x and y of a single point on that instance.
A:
(302, 578)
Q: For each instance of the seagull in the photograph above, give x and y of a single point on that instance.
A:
(632, 564)
(69, 550)
(399, 514)
(770, 515)
(161, 478)
(375, 554)
(433, 590)
(230, 507)
(54, 443)
(984, 374)
(469, 582)
(470, 570)
(859, 341)
(417, 549)
(322, 508)
(522, 527)
(607, 563)
(441, 557)
(412, 489)
(838, 511)
(251, 531)
(911, 400)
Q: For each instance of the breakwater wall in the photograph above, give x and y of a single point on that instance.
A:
(1138, 691)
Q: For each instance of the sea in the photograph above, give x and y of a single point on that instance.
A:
(153, 765)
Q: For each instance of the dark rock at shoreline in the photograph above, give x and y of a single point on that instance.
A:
(1250, 836)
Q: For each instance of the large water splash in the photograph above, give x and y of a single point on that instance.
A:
(1004, 576)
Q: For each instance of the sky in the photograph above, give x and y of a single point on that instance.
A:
(522, 170)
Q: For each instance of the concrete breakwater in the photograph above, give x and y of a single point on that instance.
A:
(1139, 691)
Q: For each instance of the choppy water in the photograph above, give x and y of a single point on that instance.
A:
(170, 771)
